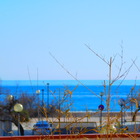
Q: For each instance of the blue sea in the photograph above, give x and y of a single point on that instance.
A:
(84, 95)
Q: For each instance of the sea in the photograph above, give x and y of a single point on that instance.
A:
(76, 95)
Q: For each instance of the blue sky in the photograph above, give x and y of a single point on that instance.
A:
(30, 29)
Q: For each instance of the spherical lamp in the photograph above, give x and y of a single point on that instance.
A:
(18, 107)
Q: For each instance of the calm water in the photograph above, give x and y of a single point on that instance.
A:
(82, 98)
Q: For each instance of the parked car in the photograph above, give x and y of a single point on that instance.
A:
(42, 128)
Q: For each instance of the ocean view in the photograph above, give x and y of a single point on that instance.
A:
(85, 94)
(70, 69)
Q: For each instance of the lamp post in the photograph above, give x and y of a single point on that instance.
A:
(38, 93)
(7, 125)
(101, 107)
(42, 97)
(121, 102)
(48, 95)
(18, 108)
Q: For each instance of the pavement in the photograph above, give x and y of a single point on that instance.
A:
(76, 122)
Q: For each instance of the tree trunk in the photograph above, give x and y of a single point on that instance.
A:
(21, 128)
(134, 115)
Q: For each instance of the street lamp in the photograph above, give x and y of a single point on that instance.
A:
(7, 125)
(38, 93)
(48, 94)
(101, 94)
(10, 98)
(42, 97)
(121, 102)
(18, 108)
(101, 107)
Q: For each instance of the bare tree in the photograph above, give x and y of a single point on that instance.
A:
(30, 103)
(121, 75)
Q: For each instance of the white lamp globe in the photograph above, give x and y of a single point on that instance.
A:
(101, 93)
(37, 92)
(10, 97)
(18, 107)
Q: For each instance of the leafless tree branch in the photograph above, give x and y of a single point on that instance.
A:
(97, 55)
(73, 76)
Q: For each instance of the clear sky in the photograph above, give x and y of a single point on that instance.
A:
(30, 29)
